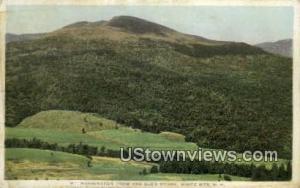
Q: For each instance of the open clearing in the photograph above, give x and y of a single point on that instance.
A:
(41, 164)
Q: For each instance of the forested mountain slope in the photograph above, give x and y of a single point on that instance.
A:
(218, 94)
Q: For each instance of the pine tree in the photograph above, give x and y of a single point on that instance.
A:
(282, 172)
(154, 169)
(289, 170)
(219, 177)
(102, 149)
(259, 173)
(144, 171)
(274, 172)
(227, 178)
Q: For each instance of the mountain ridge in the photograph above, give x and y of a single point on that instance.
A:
(280, 47)
(134, 27)
(130, 25)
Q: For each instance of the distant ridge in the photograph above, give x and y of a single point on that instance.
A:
(126, 24)
(280, 47)
(22, 37)
(138, 26)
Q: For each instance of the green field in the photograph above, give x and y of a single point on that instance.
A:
(135, 138)
(37, 155)
(111, 139)
(71, 121)
(41, 164)
(108, 135)
(64, 127)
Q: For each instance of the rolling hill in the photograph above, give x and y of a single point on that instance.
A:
(25, 161)
(222, 95)
(53, 165)
(99, 132)
(43, 126)
(70, 121)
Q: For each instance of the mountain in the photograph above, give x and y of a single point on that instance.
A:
(281, 47)
(138, 26)
(127, 26)
(144, 75)
(23, 37)
(133, 26)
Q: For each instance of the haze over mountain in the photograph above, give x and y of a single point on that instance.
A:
(129, 24)
(23, 37)
(218, 94)
(122, 27)
(280, 47)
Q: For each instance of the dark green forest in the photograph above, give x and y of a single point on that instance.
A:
(232, 96)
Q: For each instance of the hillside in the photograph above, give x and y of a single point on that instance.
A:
(53, 165)
(48, 151)
(113, 138)
(65, 127)
(218, 94)
(281, 47)
(62, 166)
(68, 121)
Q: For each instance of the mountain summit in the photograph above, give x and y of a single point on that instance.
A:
(137, 25)
(128, 24)
(121, 27)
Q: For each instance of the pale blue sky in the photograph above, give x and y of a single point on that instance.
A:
(245, 24)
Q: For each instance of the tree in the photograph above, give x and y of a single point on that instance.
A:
(259, 173)
(89, 163)
(102, 149)
(219, 177)
(282, 174)
(227, 178)
(144, 172)
(289, 170)
(274, 172)
(154, 169)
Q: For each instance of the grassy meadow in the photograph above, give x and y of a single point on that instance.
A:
(51, 165)
(109, 135)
